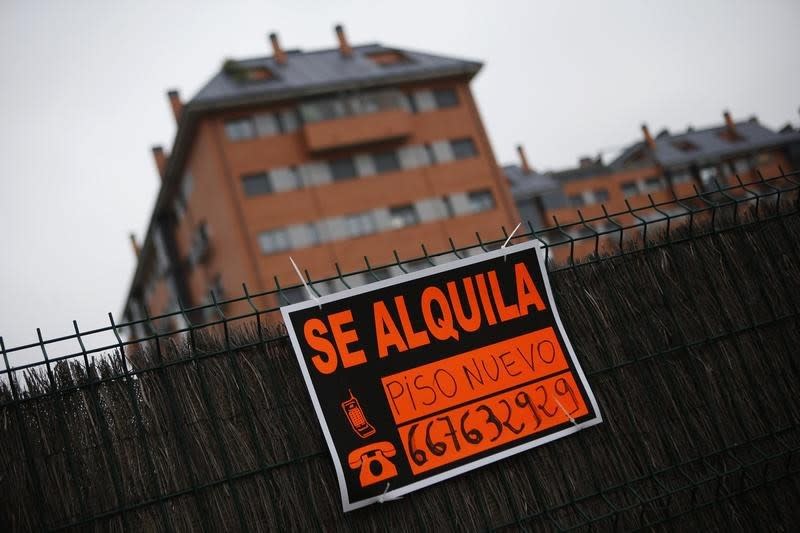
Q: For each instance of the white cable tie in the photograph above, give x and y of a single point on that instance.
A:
(574, 423)
(384, 498)
(509, 238)
(303, 280)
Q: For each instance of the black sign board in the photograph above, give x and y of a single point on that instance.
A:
(421, 377)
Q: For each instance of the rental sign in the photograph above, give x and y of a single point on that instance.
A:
(422, 377)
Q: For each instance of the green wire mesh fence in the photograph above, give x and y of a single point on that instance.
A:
(684, 314)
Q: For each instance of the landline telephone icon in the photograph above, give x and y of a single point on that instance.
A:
(356, 417)
(373, 459)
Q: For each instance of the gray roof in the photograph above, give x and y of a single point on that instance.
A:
(529, 185)
(709, 145)
(525, 185)
(595, 168)
(548, 185)
(318, 72)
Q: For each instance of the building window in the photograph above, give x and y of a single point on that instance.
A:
(445, 98)
(240, 129)
(372, 102)
(360, 224)
(386, 162)
(386, 58)
(413, 156)
(285, 179)
(684, 146)
(289, 119)
(651, 184)
(682, 176)
(241, 74)
(322, 110)
(343, 169)
(481, 200)
(256, 184)
(575, 200)
(314, 237)
(463, 148)
(423, 101)
(708, 174)
(267, 124)
(402, 216)
(600, 195)
(412, 104)
(448, 206)
(629, 188)
(273, 241)
(430, 153)
(741, 166)
(301, 236)
(368, 102)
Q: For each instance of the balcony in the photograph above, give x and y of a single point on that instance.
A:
(392, 124)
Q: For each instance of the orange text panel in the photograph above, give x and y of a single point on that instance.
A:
(462, 378)
(512, 415)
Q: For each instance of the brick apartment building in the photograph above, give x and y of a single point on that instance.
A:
(659, 166)
(327, 156)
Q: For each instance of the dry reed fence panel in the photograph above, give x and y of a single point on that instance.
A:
(690, 346)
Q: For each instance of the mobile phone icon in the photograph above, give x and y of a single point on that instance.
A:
(356, 417)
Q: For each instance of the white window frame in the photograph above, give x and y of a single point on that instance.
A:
(235, 129)
(274, 241)
(397, 221)
(360, 224)
(478, 200)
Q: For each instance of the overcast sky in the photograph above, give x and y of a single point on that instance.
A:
(82, 99)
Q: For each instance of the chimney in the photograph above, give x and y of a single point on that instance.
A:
(344, 46)
(277, 51)
(136, 250)
(523, 160)
(648, 138)
(161, 160)
(585, 161)
(729, 124)
(175, 102)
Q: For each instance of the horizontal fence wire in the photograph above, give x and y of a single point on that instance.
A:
(688, 307)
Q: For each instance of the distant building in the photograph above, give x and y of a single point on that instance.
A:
(327, 156)
(540, 195)
(659, 166)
